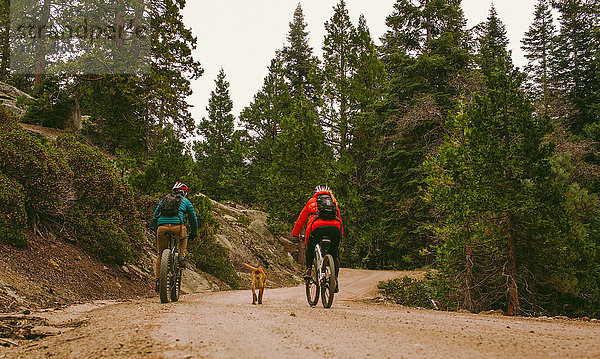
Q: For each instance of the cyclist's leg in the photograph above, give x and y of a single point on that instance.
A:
(334, 250)
(310, 252)
(183, 239)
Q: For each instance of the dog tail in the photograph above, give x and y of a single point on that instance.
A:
(249, 266)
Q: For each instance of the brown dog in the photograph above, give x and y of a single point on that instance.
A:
(259, 279)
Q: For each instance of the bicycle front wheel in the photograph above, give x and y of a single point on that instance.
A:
(312, 286)
(164, 283)
(328, 283)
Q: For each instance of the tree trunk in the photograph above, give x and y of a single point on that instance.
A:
(511, 278)
(73, 123)
(40, 56)
(468, 301)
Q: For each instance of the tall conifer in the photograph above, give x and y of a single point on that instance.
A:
(504, 210)
(539, 46)
(426, 56)
(339, 63)
(299, 62)
(218, 154)
(577, 64)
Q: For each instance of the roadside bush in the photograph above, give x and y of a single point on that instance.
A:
(211, 257)
(13, 218)
(431, 292)
(104, 218)
(102, 234)
(37, 166)
(207, 224)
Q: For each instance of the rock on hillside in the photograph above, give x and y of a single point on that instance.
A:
(8, 98)
(245, 234)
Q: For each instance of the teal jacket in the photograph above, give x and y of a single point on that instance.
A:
(185, 207)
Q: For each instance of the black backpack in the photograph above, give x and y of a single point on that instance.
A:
(169, 207)
(326, 208)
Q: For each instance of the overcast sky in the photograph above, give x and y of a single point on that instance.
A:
(241, 36)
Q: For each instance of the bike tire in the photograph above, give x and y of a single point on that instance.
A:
(176, 283)
(312, 286)
(164, 286)
(328, 284)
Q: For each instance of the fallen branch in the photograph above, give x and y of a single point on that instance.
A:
(9, 342)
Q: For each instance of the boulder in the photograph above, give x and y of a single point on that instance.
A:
(8, 98)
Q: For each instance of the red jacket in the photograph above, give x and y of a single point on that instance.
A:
(309, 212)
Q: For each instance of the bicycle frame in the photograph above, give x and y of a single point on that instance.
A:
(319, 256)
(173, 243)
(319, 261)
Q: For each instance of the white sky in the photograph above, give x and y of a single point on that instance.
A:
(241, 36)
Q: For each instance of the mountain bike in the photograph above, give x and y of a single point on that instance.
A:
(169, 283)
(322, 276)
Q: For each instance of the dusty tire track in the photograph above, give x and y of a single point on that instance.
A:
(226, 325)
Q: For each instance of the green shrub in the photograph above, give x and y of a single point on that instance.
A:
(431, 292)
(244, 221)
(39, 168)
(105, 218)
(13, 219)
(207, 224)
(50, 107)
(211, 257)
(102, 234)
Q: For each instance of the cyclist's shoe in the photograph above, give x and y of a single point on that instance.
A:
(156, 289)
(337, 287)
(307, 273)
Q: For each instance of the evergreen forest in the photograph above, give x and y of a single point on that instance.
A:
(441, 152)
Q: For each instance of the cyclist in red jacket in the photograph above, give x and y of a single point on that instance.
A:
(319, 225)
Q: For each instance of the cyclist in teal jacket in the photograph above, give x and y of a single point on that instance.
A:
(176, 224)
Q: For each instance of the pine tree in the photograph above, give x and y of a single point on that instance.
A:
(539, 46)
(262, 119)
(301, 161)
(426, 56)
(339, 61)
(219, 157)
(172, 67)
(504, 210)
(299, 62)
(577, 64)
(354, 187)
(367, 84)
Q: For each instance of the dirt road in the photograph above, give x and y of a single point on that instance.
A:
(226, 325)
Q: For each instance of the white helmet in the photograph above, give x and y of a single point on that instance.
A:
(320, 188)
(181, 187)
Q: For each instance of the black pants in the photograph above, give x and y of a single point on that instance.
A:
(315, 236)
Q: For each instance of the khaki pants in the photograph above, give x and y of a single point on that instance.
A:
(162, 241)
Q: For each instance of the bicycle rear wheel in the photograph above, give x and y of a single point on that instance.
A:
(328, 284)
(164, 285)
(176, 282)
(312, 286)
